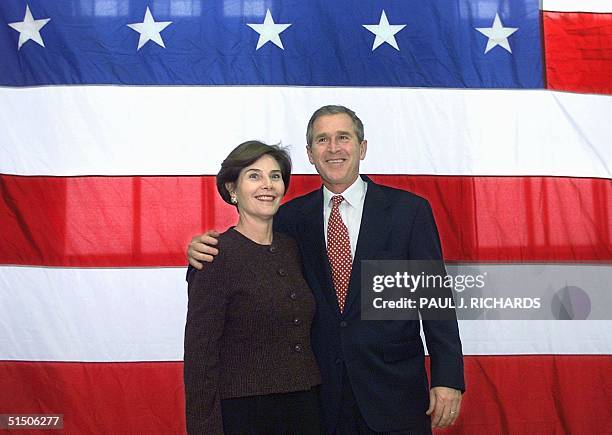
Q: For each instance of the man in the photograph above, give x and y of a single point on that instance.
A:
(373, 374)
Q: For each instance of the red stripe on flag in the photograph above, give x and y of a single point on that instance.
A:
(512, 395)
(95, 398)
(148, 221)
(545, 394)
(578, 51)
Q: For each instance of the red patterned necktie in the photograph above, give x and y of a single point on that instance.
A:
(339, 251)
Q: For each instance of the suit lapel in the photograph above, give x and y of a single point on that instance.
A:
(373, 233)
(312, 233)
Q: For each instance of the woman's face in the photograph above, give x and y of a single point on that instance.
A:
(259, 188)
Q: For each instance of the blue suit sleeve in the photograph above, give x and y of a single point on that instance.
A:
(441, 336)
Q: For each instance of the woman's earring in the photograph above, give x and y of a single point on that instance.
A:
(233, 198)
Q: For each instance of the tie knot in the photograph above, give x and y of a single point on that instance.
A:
(337, 199)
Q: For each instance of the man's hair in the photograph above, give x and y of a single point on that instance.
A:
(334, 110)
(245, 155)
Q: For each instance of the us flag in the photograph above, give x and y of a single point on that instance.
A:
(116, 114)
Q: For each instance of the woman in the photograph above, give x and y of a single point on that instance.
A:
(249, 368)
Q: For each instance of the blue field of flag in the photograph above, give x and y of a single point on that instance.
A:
(417, 43)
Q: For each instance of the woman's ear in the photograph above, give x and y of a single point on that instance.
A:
(231, 188)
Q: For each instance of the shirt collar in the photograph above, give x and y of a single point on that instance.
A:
(353, 195)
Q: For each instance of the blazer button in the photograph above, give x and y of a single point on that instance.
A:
(293, 295)
(272, 249)
(282, 272)
(297, 321)
(343, 324)
(297, 348)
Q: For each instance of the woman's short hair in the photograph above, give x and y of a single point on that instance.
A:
(245, 155)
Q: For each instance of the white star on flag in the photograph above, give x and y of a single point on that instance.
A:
(150, 30)
(497, 34)
(29, 28)
(384, 32)
(269, 31)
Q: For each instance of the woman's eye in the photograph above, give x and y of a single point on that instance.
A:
(276, 176)
(254, 176)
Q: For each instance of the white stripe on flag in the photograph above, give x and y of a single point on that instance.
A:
(56, 314)
(189, 130)
(139, 315)
(577, 5)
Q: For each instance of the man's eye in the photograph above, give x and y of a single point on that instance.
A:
(322, 140)
(344, 137)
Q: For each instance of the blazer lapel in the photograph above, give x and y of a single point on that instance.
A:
(313, 237)
(373, 233)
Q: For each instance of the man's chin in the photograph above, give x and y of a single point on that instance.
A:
(338, 179)
(333, 178)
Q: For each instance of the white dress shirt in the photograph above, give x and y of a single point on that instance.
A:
(351, 209)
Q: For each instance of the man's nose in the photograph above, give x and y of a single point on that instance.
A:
(333, 145)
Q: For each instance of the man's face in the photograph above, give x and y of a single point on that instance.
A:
(335, 151)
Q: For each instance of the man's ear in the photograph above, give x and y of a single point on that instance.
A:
(363, 148)
(309, 152)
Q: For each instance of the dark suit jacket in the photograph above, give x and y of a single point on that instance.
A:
(384, 359)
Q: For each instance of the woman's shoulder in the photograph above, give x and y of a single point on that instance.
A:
(225, 244)
(227, 239)
(283, 240)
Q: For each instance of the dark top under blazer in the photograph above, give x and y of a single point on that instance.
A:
(248, 328)
(384, 360)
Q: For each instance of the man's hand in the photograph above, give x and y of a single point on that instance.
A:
(202, 248)
(444, 406)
